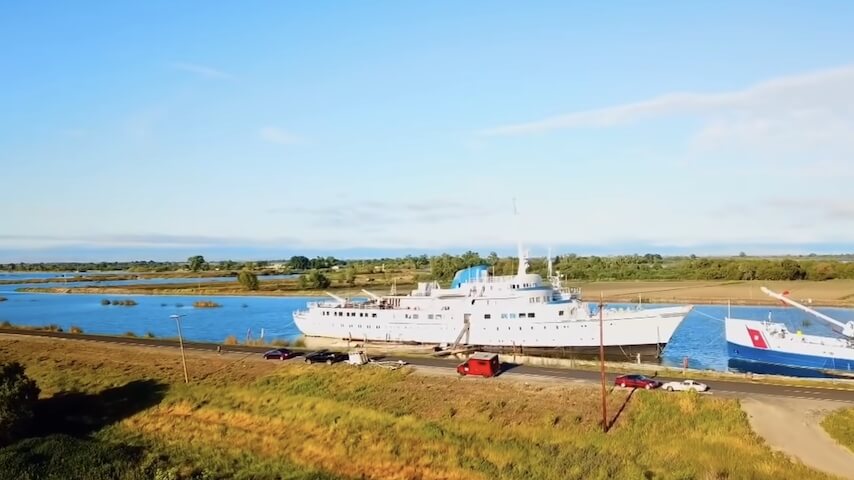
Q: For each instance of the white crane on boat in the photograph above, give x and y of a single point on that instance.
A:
(846, 329)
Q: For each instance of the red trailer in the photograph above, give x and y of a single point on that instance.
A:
(481, 363)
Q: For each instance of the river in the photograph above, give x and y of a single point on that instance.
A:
(700, 337)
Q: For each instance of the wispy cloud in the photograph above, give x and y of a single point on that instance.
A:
(201, 70)
(831, 89)
(138, 240)
(279, 136)
(370, 215)
(829, 209)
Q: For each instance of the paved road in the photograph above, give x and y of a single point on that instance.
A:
(719, 387)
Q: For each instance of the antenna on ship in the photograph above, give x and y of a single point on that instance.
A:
(523, 257)
(549, 257)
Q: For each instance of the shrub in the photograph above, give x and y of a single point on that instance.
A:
(18, 396)
(6, 324)
(76, 329)
(63, 456)
(105, 302)
(129, 334)
(248, 280)
(230, 340)
(149, 335)
(206, 304)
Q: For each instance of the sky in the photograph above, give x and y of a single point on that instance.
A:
(159, 130)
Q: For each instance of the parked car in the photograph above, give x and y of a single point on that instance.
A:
(325, 356)
(279, 354)
(636, 381)
(685, 385)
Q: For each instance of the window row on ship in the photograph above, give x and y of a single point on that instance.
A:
(438, 316)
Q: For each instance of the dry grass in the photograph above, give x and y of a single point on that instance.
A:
(840, 426)
(373, 423)
(830, 293)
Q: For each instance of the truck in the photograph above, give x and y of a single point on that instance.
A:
(481, 363)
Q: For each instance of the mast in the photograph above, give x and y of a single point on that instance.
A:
(846, 329)
(523, 255)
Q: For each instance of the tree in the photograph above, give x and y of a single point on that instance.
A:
(248, 280)
(350, 276)
(492, 258)
(299, 262)
(18, 395)
(316, 279)
(196, 263)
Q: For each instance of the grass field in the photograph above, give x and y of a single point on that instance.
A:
(838, 293)
(840, 426)
(247, 418)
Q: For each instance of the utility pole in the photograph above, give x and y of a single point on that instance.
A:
(181, 344)
(602, 363)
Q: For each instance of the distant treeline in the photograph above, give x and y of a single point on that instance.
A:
(653, 267)
(443, 267)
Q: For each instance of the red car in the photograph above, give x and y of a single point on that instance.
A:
(279, 354)
(636, 381)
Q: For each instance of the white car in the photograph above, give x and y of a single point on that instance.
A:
(684, 386)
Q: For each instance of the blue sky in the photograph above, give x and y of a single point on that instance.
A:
(165, 129)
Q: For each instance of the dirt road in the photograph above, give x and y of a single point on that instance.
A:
(792, 426)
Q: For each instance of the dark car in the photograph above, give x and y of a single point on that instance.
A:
(636, 381)
(279, 354)
(325, 356)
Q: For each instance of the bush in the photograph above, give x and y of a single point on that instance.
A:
(105, 302)
(129, 334)
(63, 456)
(206, 304)
(76, 329)
(149, 335)
(230, 340)
(248, 280)
(6, 324)
(18, 396)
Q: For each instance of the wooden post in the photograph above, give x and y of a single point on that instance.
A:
(602, 363)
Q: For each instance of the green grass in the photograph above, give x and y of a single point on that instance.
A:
(248, 418)
(840, 426)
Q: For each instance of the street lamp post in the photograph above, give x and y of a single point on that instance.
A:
(181, 344)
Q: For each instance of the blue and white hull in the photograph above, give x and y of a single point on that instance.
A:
(788, 359)
(773, 344)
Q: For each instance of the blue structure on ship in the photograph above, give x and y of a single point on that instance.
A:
(468, 274)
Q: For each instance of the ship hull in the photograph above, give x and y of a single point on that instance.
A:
(774, 345)
(788, 359)
(626, 333)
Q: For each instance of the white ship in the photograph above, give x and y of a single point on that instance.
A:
(772, 343)
(495, 312)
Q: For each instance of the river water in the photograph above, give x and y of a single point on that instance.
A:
(700, 337)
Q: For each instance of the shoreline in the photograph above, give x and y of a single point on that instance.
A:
(673, 296)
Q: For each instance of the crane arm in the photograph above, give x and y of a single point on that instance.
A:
(843, 328)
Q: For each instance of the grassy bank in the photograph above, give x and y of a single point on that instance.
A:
(247, 418)
(840, 426)
(836, 293)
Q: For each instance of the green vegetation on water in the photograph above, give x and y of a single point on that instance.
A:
(840, 425)
(123, 303)
(206, 304)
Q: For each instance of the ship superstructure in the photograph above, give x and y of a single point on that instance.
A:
(503, 312)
